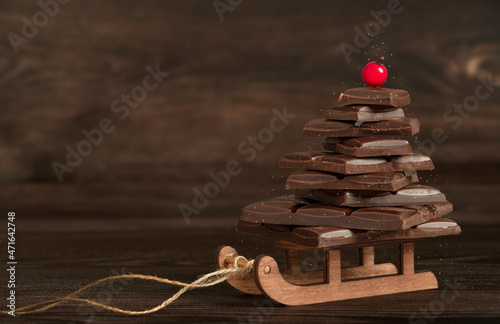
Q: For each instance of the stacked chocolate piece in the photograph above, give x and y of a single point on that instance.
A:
(361, 189)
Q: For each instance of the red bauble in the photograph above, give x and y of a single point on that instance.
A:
(374, 73)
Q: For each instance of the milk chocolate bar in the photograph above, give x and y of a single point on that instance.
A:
(384, 181)
(375, 96)
(340, 163)
(291, 212)
(369, 146)
(334, 128)
(412, 162)
(414, 194)
(363, 113)
(335, 237)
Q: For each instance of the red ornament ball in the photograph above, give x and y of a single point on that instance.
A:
(374, 74)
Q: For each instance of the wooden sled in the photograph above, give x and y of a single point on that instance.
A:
(296, 287)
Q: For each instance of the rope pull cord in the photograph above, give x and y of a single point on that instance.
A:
(239, 266)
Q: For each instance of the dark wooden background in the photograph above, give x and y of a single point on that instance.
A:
(119, 208)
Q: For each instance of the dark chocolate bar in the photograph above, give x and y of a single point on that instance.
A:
(330, 143)
(331, 128)
(387, 181)
(363, 113)
(288, 211)
(368, 146)
(340, 163)
(375, 96)
(414, 194)
(332, 162)
(335, 237)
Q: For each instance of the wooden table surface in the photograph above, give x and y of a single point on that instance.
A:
(56, 259)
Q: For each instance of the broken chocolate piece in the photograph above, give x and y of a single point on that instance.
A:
(319, 214)
(412, 162)
(330, 143)
(410, 195)
(369, 146)
(335, 237)
(337, 163)
(387, 181)
(331, 128)
(375, 96)
(363, 113)
(340, 163)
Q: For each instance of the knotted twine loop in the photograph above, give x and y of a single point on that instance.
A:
(207, 280)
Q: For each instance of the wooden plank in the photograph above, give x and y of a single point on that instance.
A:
(367, 255)
(332, 266)
(406, 257)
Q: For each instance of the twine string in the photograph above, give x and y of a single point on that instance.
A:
(207, 280)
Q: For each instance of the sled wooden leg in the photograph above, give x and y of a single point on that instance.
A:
(333, 267)
(367, 256)
(367, 266)
(244, 283)
(272, 284)
(406, 258)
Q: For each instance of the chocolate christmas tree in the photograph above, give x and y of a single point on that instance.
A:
(358, 192)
